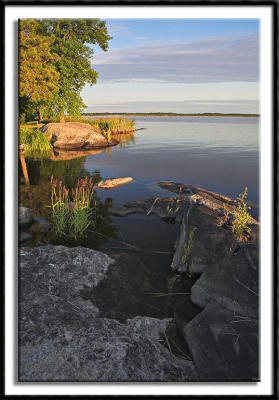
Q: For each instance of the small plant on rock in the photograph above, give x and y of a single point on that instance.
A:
(240, 227)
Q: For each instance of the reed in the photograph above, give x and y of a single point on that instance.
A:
(114, 125)
(35, 141)
(72, 215)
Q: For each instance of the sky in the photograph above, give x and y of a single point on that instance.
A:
(177, 65)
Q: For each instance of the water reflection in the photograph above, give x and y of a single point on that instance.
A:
(37, 196)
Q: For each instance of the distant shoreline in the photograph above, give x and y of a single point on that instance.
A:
(172, 114)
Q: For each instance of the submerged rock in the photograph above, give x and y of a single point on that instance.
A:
(75, 135)
(25, 218)
(113, 183)
(63, 339)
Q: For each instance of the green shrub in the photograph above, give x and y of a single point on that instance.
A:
(240, 225)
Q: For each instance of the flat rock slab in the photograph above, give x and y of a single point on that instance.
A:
(223, 345)
(75, 135)
(113, 183)
(61, 337)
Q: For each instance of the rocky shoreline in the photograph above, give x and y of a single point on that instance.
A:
(63, 338)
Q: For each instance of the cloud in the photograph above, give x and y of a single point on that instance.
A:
(214, 60)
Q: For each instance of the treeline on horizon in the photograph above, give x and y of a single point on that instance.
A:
(176, 114)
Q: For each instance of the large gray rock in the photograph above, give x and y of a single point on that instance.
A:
(224, 345)
(25, 218)
(75, 135)
(232, 282)
(61, 338)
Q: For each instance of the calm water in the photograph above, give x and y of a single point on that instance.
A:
(219, 154)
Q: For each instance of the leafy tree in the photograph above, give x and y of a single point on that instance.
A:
(38, 75)
(73, 38)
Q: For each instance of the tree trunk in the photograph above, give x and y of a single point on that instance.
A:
(24, 168)
(62, 119)
(40, 115)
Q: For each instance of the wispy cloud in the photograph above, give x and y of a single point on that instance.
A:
(214, 60)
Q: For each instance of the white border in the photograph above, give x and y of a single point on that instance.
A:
(12, 13)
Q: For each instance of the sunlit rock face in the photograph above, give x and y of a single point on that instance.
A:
(75, 135)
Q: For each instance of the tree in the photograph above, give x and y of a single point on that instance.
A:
(71, 45)
(38, 75)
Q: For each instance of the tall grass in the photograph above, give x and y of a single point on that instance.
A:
(72, 215)
(35, 141)
(113, 125)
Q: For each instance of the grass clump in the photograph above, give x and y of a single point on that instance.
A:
(36, 142)
(72, 215)
(240, 224)
(114, 125)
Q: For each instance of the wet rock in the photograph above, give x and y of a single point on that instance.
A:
(63, 339)
(113, 183)
(24, 237)
(75, 135)
(25, 218)
(224, 345)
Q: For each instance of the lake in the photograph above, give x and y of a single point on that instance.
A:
(216, 153)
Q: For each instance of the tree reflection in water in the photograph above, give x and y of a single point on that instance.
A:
(37, 197)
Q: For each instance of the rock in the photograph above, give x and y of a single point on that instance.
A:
(197, 195)
(61, 337)
(231, 282)
(113, 183)
(224, 346)
(25, 218)
(24, 237)
(75, 135)
(210, 241)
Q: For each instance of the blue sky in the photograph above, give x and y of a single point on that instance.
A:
(177, 65)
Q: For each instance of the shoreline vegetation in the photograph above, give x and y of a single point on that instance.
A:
(170, 114)
(35, 142)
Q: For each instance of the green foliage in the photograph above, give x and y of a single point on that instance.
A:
(72, 215)
(187, 252)
(38, 75)
(35, 141)
(240, 225)
(55, 62)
